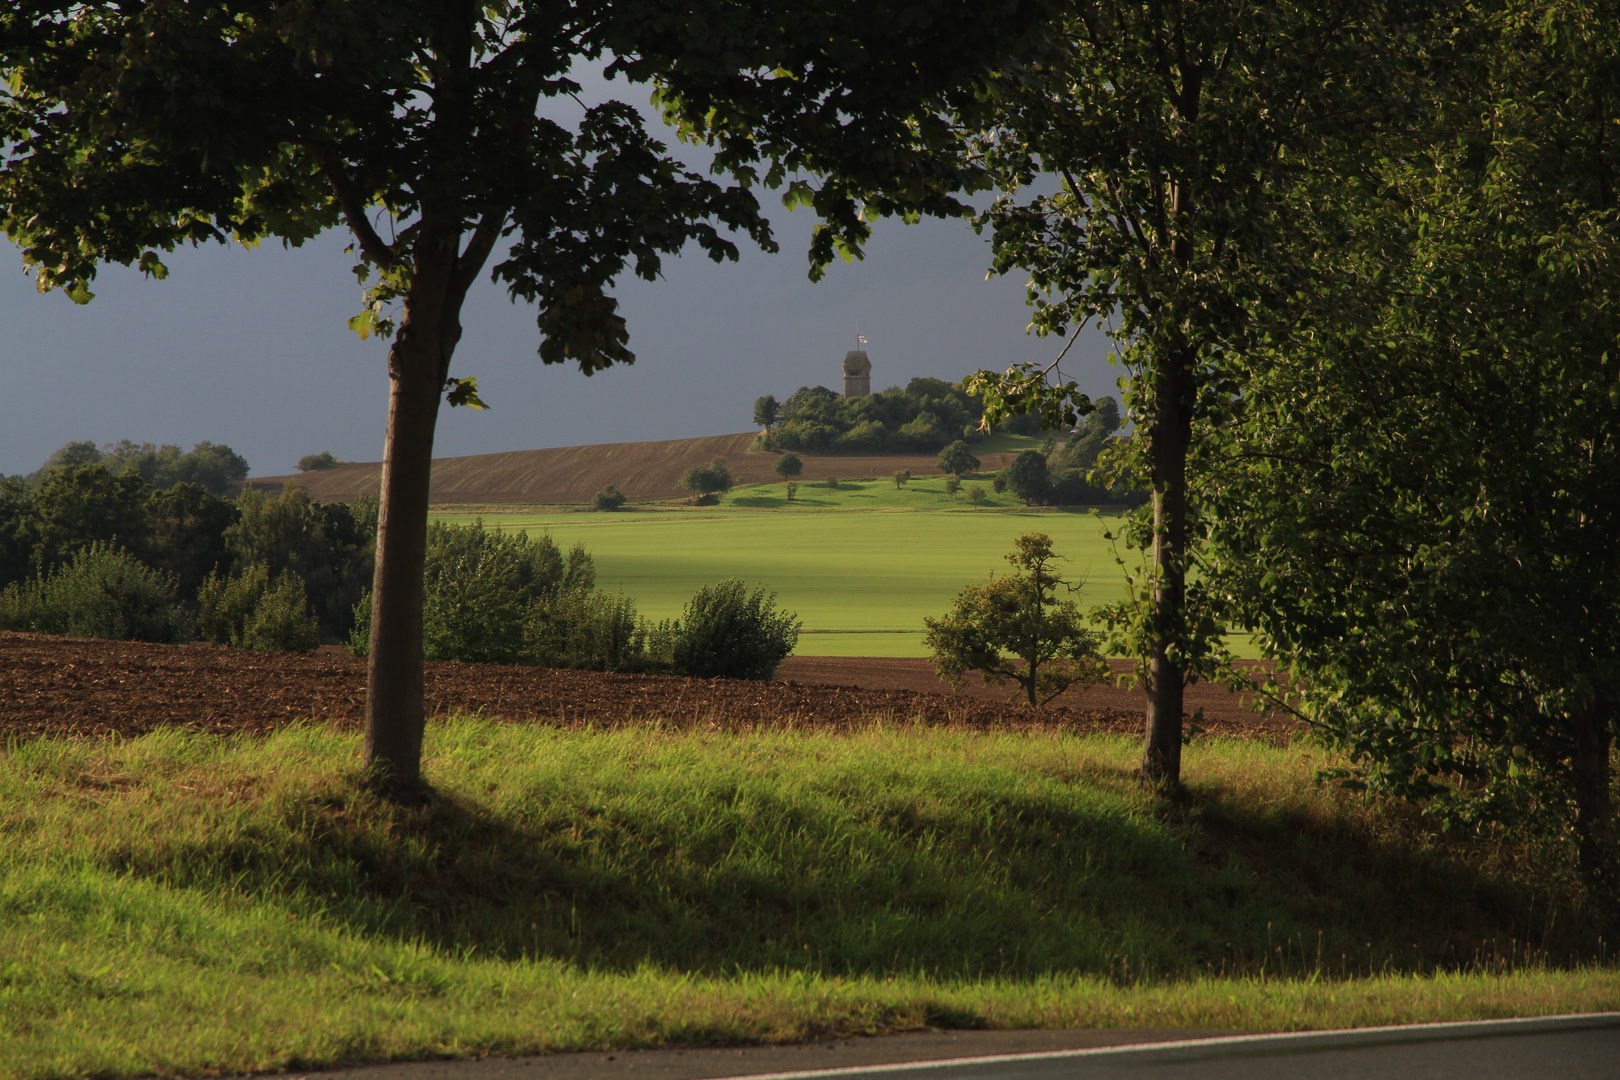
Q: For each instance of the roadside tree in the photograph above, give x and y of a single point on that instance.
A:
(1018, 629)
(1178, 132)
(1416, 507)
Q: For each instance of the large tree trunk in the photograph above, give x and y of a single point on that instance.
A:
(418, 364)
(1171, 433)
(1594, 828)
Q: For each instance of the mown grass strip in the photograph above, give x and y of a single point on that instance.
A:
(179, 903)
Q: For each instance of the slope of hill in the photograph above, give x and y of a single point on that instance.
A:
(645, 471)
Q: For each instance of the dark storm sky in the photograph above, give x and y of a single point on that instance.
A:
(250, 348)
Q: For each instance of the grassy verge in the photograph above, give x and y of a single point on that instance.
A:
(177, 903)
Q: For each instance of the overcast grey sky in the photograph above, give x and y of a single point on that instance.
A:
(249, 348)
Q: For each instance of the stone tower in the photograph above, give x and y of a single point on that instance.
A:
(857, 374)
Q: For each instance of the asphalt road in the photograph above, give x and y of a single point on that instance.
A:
(1565, 1048)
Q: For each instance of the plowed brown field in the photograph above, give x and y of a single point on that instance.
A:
(645, 471)
(80, 686)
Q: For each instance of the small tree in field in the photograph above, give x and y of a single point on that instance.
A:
(902, 478)
(706, 481)
(792, 489)
(957, 459)
(609, 498)
(789, 465)
(1018, 628)
(953, 484)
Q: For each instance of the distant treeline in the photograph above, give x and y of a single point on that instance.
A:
(211, 466)
(923, 418)
(89, 552)
(181, 535)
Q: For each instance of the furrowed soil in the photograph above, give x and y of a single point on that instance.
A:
(644, 471)
(84, 686)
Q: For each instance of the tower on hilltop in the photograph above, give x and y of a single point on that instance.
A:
(857, 374)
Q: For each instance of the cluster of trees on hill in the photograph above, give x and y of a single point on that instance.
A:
(1075, 473)
(924, 417)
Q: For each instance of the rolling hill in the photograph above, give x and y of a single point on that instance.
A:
(645, 471)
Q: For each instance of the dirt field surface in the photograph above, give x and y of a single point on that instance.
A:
(1121, 695)
(80, 686)
(645, 471)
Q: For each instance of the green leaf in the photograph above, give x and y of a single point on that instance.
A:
(463, 392)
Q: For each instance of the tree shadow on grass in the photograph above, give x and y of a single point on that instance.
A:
(1014, 885)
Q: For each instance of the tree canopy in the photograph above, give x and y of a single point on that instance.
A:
(1415, 503)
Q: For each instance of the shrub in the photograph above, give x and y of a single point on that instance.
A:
(999, 483)
(712, 479)
(976, 494)
(726, 631)
(902, 477)
(359, 643)
(832, 482)
(102, 591)
(578, 628)
(478, 587)
(792, 489)
(252, 612)
(953, 484)
(318, 462)
(609, 498)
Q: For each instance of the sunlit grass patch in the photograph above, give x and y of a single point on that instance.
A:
(177, 902)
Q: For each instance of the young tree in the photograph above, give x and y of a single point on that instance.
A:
(789, 465)
(902, 477)
(1021, 615)
(426, 129)
(1177, 131)
(957, 459)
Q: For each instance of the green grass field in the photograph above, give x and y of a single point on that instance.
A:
(861, 565)
(183, 904)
